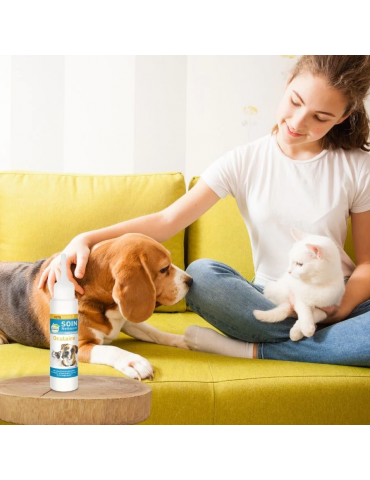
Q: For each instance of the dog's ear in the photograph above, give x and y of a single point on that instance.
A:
(64, 345)
(76, 347)
(134, 290)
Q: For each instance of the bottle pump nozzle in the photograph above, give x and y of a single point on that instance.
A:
(64, 289)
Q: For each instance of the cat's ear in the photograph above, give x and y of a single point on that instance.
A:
(298, 234)
(315, 249)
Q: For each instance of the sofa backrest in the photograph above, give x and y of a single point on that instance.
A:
(42, 212)
(221, 234)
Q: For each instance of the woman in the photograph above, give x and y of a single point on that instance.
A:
(311, 172)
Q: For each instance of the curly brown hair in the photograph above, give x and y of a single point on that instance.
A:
(350, 74)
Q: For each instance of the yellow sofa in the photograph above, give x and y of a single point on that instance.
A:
(42, 212)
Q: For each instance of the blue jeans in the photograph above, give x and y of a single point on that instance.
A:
(221, 296)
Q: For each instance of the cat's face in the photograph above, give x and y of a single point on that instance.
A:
(311, 257)
(305, 261)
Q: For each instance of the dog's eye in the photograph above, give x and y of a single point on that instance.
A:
(164, 270)
(300, 264)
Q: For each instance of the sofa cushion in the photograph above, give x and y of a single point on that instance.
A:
(198, 388)
(221, 234)
(42, 212)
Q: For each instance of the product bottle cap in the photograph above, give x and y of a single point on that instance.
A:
(64, 289)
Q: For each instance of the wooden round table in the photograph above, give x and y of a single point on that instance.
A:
(99, 400)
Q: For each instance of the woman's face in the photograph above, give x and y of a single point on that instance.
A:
(302, 106)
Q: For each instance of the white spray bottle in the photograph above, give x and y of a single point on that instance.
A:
(64, 334)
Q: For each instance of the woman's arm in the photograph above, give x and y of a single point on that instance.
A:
(164, 224)
(358, 286)
(160, 226)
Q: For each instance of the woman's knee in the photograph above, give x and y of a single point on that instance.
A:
(200, 271)
(200, 268)
(210, 282)
(203, 268)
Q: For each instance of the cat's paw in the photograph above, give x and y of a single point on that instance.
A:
(263, 316)
(259, 314)
(295, 333)
(308, 330)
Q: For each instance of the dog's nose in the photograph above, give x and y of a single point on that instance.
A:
(189, 282)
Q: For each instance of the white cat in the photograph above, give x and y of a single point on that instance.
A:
(314, 279)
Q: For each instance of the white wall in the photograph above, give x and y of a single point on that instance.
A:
(134, 114)
(160, 114)
(99, 109)
(37, 112)
(5, 113)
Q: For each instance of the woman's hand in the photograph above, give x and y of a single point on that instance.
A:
(77, 252)
(333, 315)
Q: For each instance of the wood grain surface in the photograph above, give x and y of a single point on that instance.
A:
(99, 400)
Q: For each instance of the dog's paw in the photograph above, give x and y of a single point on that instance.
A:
(135, 366)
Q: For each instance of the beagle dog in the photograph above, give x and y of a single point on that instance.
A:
(125, 279)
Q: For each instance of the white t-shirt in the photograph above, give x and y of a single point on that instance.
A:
(275, 193)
